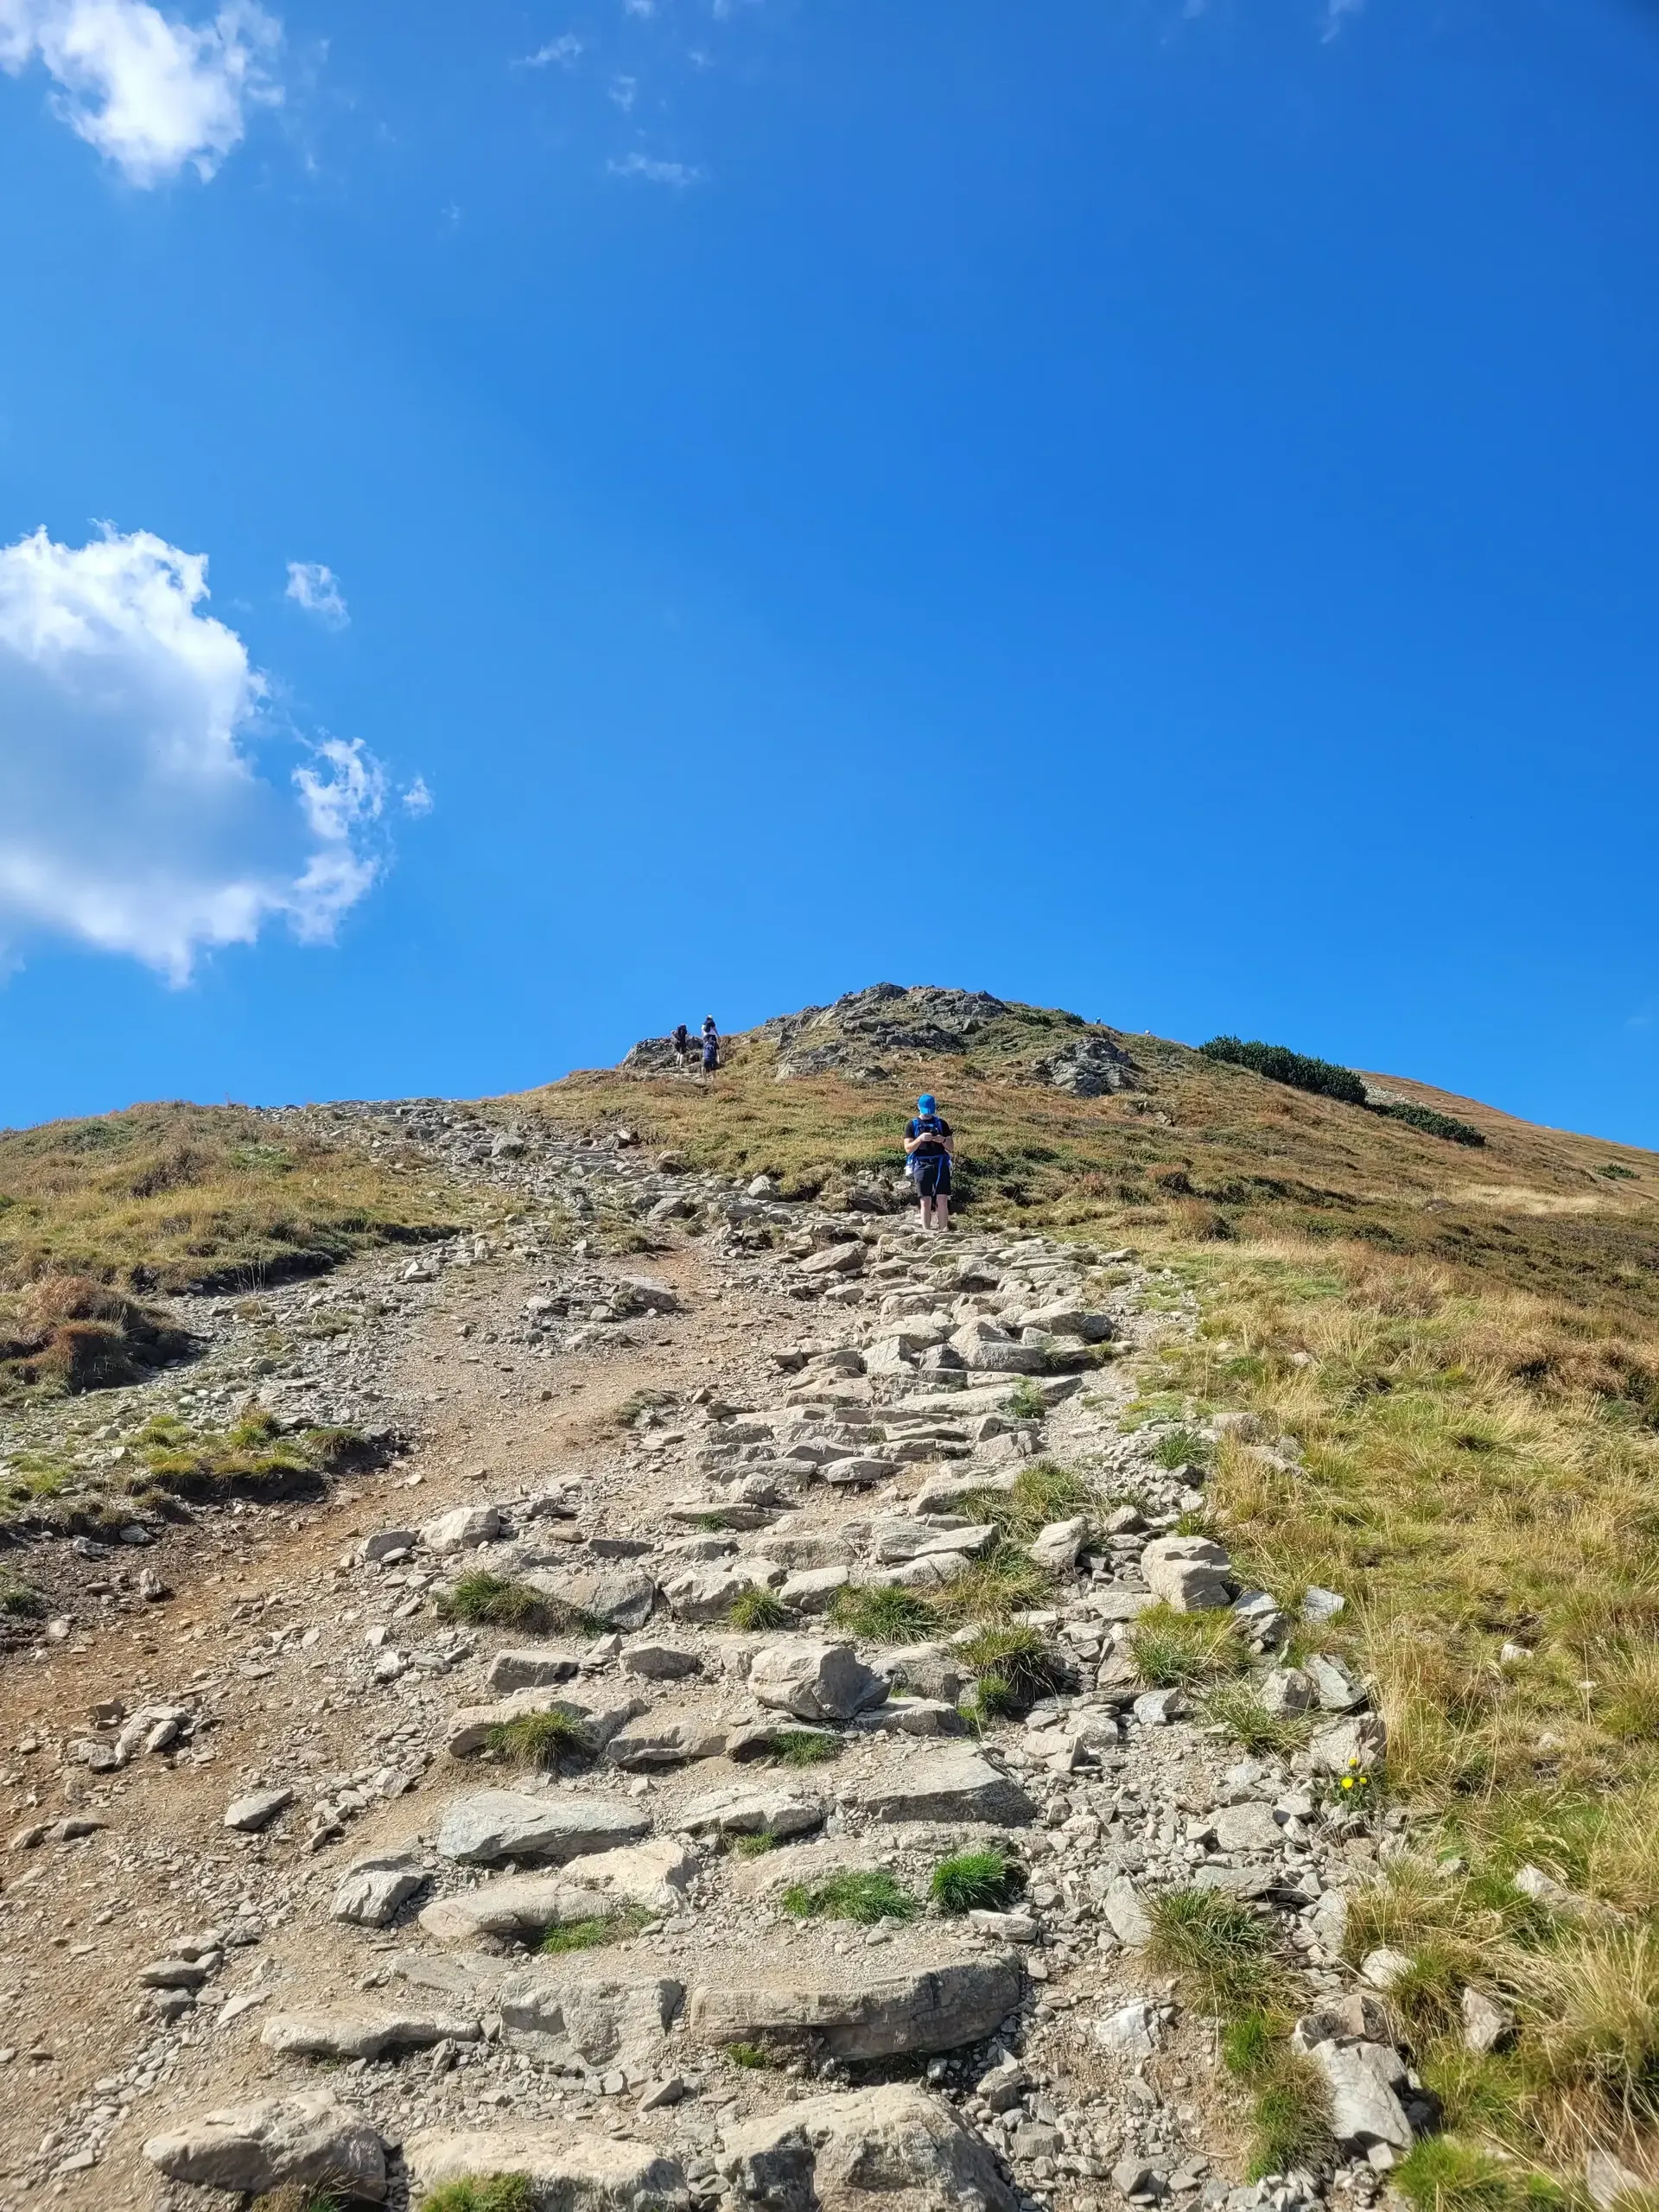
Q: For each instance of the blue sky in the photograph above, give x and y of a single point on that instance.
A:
(1146, 506)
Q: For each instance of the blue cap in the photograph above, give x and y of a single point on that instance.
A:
(926, 1103)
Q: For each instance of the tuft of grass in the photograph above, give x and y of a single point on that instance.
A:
(852, 1894)
(1002, 1582)
(1290, 2115)
(1181, 1447)
(483, 2193)
(253, 1452)
(1181, 1651)
(542, 1739)
(1015, 1668)
(1042, 1492)
(805, 1746)
(18, 1601)
(884, 1615)
(641, 1401)
(755, 1846)
(753, 2056)
(1235, 1706)
(1216, 1947)
(1026, 1401)
(487, 1600)
(757, 1608)
(976, 1881)
(1442, 2174)
(592, 1932)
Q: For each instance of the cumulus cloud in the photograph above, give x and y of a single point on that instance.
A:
(133, 815)
(155, 94)
(313, 586)
(677, 174)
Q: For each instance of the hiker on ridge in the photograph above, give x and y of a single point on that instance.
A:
(928, 1155)
(680, 1040)
(710, 1045)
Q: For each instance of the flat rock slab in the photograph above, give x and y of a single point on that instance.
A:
(271, 2143)
(752, 1812)
(943, 1785)
(258, 1810)
(574, 2171)
(515, 1907)
(491, 1825)
(529, 1670)
(859, 2012)
(371, 1890)
(619, 1596)
(366, 2033)
(838, 2151)
(565, 2018)
(814, 1681)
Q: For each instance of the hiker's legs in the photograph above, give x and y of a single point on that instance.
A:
(942, 1211)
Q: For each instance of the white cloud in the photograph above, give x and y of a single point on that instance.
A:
(622, 91)
(153, 93)
(566, 51)
(132, 816)
(313, 586)
(1336, 13)
(417, 798)
(638, 7)
(677, 174)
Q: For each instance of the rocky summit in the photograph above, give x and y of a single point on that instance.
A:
(726, 1738)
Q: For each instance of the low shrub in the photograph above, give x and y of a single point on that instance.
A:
(492, 1601)
(886, 1615)
(1431, 1124)
(588, 1935)
(543, 1739)
(1279, 1064)
(757, 1608)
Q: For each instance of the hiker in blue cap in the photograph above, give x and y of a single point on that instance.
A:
(927, 1161)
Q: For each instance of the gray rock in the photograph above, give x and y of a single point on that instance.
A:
(1608, 2178)
(1064, 1317)
(983, 1347)
(1128, 1919)
(814, 1681)
(272, 2142)
(1359, 2017)
(563, 2016)
(257, 1810)
(1249, 1826)
(752, 1812)
(1355, 1745)
(1334, 1683)
(617, 1597)
(569, 2170)
(491, 1825)
(1487, 2025)
(659, 1662)
(1285, 1692)
(948, 1784)
(387, 1543)
(368, 2033)
(1056, 1546)
(928, 1670)
(1189, 1574)
(461, 1530)
(529, 1670)
(813, 1589)
(1384, 1967)
(1132, 2030)
(1362, 2078)
(371, 1889)
(841, 2153)
(705, 1593)
(855, 2012)
(911, 1716)
(1320, 1605)
(664, 1741)
(515, 1907)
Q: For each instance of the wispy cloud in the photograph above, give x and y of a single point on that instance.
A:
(1336, 14)
(566, 51)
(417, 798)
(313, 586)
(677, 174)
(623, 90)
(638, 7)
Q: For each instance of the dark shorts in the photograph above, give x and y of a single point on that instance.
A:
(710, 1058)
(933, 1175)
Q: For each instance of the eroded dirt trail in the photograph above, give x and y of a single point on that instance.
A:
(825, 1411)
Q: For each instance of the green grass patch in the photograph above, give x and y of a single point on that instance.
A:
(1441, 2174)
(593, 1933)
(19, 1602)
(1217, 1948)
(865, 1897)
(1042, 1492)
(1175, 1651)
(757, 1608)
(253, 1451)
(548, 1740)
(976, 1881)
(1015, 1668)
(883, 1615)
(1182, 1447)
(753, 1846)
(486, 1600)
(483, 2193)
(1235, 1707)
(754, 2058)
(805, 1746)
(1026, 1401)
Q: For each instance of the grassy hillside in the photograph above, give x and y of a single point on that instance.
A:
(1464, 1343)
(95, 1214)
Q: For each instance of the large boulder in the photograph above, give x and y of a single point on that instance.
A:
(949, 1784)
(575, 2169)
(665, 1741)
(614, 1597)
(491, 1825)
(296, 2141)
(513, 1908)
(705, 1593)
(529, 1670)
(740, 1811)
(814, 1681)
(471, 1728)
(1364, 2079)
(853, 2011)
(1064, 1317)
(834, 2153)
(462, 1530)
(564, 2018)
(371, 1889)
(1188, 1573)
(986, 1348)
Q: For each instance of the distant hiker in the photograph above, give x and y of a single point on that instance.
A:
(928, 1155)
(710, 1045)
(681, 1040)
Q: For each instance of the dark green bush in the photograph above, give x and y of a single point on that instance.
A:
(1279, 1064)
(1431, 1124)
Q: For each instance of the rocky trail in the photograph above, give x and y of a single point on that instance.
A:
(839, 1886)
